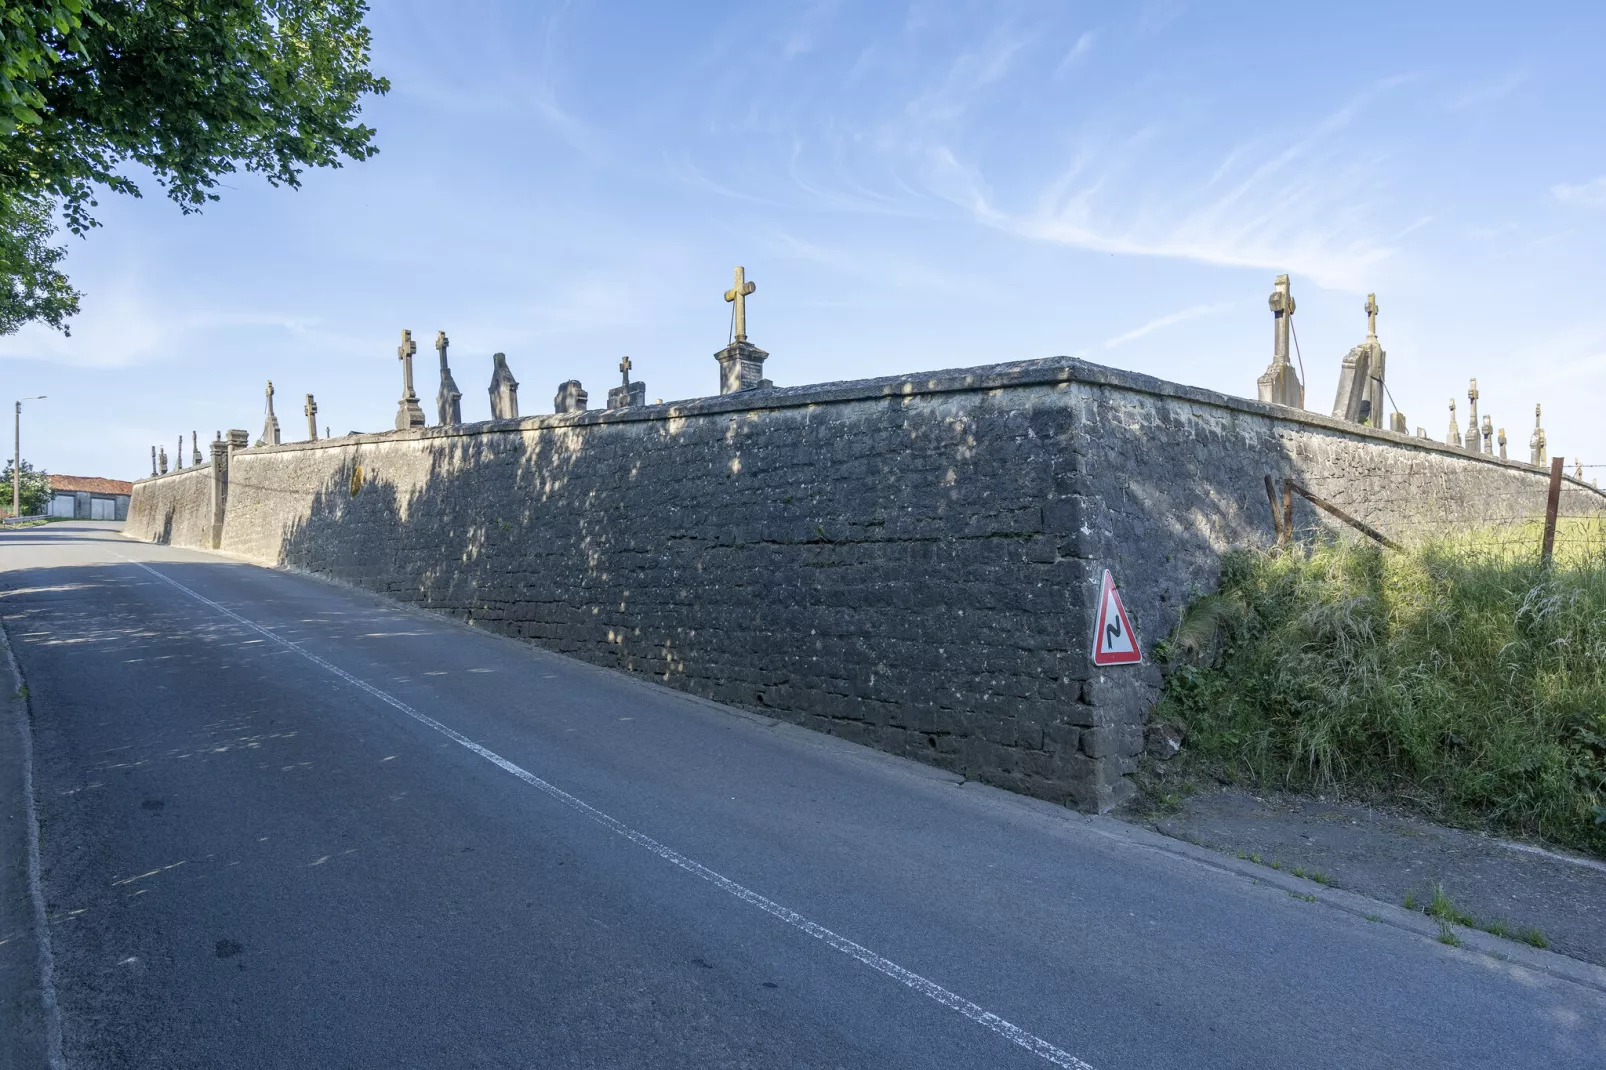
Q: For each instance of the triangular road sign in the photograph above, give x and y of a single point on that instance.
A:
(1114, 641)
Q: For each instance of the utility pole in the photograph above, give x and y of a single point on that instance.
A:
(16, 464)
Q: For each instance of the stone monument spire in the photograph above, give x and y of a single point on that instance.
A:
(409, 413)
(195, 447)
(1454, 437)
(627, 393)
(1536, 441)
(311, 411)
(153, 460)
(449, 402)
(178, 454)
(1473, 434)
(504, 390)
(741, 364)
(161, 459)
(270, 426)
(1280, 384)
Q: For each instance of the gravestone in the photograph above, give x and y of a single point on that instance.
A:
(504, 390)
(571, 397)
(1397, 423)
(153, 460)
(1359, 398)
(741, 364)
(1280, 384)
(409, 414)
(1503, 444)
(449, 402)
(1454, 437)
(161, 460)
(1488, 435)
(195, 447)
(311, 411)
(1536, 441)
(178, 454)
(1376, 403)
(270, 426)
(627, 393)
(1473, 434)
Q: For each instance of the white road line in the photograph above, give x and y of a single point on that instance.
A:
(930, 989)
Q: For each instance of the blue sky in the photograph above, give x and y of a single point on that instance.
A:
(912, 186)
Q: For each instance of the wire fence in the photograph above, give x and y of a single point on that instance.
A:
(1565, 521)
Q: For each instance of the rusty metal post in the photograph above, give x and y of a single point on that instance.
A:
(1551, 504)
(1288, 511)
(1276, 521)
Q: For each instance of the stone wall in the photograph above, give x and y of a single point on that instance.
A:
(908, 562)
(173, 508)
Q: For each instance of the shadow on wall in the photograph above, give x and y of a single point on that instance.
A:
(905, 573)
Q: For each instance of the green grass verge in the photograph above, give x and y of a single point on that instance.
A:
(1461, 674)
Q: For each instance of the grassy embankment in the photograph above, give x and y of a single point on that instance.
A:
(1461, 676)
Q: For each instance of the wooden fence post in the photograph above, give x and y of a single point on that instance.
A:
(1551, 504)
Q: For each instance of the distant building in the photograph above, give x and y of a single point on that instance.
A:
(89, 498)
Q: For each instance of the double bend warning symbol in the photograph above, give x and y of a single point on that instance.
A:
(1114, 642)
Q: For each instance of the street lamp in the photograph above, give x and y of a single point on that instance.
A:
(16, 464)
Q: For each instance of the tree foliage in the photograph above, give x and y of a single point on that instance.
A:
(35, 490)
(32, 287)
(189, 90)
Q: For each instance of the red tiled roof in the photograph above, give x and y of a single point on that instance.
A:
(93, 484)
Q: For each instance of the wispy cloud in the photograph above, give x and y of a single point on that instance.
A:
(1166, 321)
(1488, 92)
(1591, 194)
(1079, 51)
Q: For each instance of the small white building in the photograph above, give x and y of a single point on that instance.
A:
(89, 498)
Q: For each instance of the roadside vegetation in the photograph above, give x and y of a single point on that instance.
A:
(1461, 677)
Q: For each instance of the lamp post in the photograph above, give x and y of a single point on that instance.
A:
(16, 464)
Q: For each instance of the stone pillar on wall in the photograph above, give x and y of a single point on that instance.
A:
(504, 389)
(220, 488)
(741, 367)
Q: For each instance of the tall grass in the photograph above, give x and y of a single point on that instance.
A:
(1461, 674)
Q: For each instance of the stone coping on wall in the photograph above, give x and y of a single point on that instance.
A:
(1047, 371)
(173, 472)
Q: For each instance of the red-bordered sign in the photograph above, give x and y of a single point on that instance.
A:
(1114, 641)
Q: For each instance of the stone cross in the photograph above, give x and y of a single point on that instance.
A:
(1488, 436)
(504, 390)
(1371, 317)
(270, 426)
(161, 459)
(311, 411)
(738, 295)
(449, 401)
(1578, 471)
(1503, 444)
(1536, 441)
(409, 413)
(195, 446)
(627, 393)
(1454, 437)
(1473, 435)
(1280, 384)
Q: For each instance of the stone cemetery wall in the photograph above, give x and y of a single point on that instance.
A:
(173, 508)
(908, 562)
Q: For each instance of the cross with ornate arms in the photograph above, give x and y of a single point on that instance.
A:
(1371, 315)
(738, 294)
(624, 369)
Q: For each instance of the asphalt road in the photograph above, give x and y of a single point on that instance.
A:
(288, 825)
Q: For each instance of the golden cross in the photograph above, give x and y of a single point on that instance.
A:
(738, 294)
(1371, 315)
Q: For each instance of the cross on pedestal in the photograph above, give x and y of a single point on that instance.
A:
(1371, 316)
(408, 412)
(738, 295)
(311, 411)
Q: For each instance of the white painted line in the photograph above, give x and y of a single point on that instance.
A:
(41, 927)
(930, 989)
